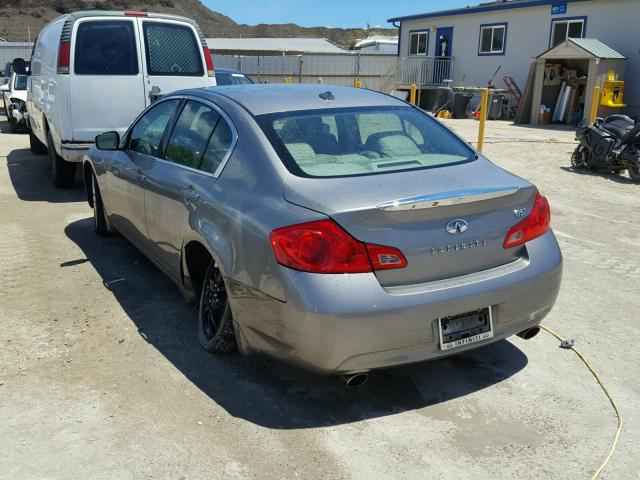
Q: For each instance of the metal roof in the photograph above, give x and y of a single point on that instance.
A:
(486, 7)
(261, 99)
(591, 46)
(298, 45)
(596, 48)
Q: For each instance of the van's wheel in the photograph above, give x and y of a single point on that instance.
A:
(215, 323)
(100, 219)
(36, 145)
(634, 173)
(63, 173)
(13, 125)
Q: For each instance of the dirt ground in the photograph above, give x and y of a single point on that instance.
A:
(101, 375)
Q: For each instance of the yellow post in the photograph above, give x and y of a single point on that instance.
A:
(357, 83)
(412, 94)
(320, 80)
(594, 105)
(483, 117)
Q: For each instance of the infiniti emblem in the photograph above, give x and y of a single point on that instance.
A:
(457, 226)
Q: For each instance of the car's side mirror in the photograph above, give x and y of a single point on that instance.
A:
(4, 88)
(20, 66)
(108, 141)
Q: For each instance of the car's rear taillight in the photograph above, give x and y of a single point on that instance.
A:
(64, 54)
(324, 247)
(208, 60)
(533, 226)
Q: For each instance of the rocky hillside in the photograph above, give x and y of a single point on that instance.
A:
(17, 15)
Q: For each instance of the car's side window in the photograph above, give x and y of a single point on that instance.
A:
(147, 134)
(191, 133)
(218, 147)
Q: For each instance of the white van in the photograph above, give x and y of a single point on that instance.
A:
(95, 71)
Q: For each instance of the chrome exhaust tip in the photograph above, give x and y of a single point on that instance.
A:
(355, 380)
(529, 333)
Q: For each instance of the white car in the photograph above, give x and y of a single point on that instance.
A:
(95, 71)
(14, 94)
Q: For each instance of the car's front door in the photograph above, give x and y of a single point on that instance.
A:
(177, 184)
(125, 177)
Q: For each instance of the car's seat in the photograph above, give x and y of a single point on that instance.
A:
(392, 144)
(310, 130)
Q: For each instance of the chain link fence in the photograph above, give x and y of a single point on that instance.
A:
(375, 71)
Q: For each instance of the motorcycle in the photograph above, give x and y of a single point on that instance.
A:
(611, 143)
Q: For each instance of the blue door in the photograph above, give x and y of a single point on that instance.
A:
(442, 62)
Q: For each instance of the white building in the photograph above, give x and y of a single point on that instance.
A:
(471, 43)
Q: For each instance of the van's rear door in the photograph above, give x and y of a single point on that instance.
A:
(106, 76)
(173, 57)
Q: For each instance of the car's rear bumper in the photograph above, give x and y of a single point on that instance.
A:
(339, 324)
(74, 152)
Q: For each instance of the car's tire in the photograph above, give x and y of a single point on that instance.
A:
(634, 173)
(63, 173)
(100, 218)
(13, 125)
(36, 145)
(215, 322)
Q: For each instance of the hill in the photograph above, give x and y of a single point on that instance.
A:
(18, 17)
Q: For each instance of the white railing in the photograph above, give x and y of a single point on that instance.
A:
(424, 71)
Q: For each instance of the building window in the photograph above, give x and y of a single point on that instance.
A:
(567, 28)
(493, 39)
(418, 43)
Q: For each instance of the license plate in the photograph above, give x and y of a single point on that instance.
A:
(465, 328)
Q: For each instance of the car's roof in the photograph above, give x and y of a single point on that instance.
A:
(228, 70)
(261, 99)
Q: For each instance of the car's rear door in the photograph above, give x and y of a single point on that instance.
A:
(178, 186)
(106, 79)
(174, 57)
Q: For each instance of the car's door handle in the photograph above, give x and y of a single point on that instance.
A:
(190, 195)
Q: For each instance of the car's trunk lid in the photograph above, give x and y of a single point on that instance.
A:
(424, 213)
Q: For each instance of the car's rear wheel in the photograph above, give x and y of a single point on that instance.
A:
(63, 173)
(101, 221)
(215, 323)
(634, 173)
(13, 125)
(36, 145)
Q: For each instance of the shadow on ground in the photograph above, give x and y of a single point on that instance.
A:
(30, 177)
(260, 390)
(612, 177)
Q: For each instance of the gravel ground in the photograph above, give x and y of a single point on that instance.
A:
(101, 375)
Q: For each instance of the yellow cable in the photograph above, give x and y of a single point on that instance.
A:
(613, 403)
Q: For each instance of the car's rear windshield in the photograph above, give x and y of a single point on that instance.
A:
(172, 50)
(20, 83)
(362, 141)
(231, 79)
(106, 48)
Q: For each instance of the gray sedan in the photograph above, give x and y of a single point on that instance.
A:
(338, 229)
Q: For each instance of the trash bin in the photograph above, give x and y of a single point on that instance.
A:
(461, 104)
(495, 106)
(444, 99)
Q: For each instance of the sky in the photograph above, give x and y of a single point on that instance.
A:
(328, 13)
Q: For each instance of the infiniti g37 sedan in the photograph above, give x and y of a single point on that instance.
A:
(337, 229)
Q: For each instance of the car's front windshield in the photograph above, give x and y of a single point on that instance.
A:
(362, 141)
(20, 82)
(232, 79)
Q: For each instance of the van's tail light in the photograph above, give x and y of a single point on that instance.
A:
(208, 60)
(533, 226)
(64, 54)
(324, 247)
